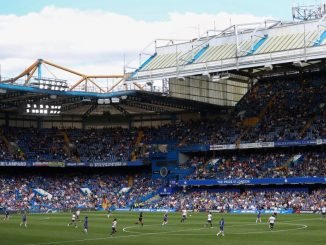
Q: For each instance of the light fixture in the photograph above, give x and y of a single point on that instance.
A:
(180, 78)
(225, 76)
(268, 67)
(115, 100)
(50, 83)
(298, 63)
(206, 74)
(42, 109)
(215, 78)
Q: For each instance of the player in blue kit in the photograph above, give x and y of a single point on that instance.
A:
(221, 232)
(24, 220)
(165, 219)
(140, 219)
(258, 217)
(86, 225)
(7, 215)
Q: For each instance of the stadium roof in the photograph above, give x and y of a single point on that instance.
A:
(235, 48)
(15, 99)
(204, 74)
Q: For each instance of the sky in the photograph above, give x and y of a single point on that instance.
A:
(99, 36)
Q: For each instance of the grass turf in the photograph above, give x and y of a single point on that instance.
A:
(51, 229)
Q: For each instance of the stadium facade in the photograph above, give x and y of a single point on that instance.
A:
(241, 110)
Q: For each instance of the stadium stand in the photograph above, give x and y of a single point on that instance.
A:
(240, 124)
(247, 200)
(259, 165)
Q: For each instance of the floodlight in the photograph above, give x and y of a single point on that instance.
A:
(268, 67)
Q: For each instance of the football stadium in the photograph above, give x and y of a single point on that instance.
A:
(215, 139)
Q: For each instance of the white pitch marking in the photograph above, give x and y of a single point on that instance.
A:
(303, 226)
(137, 234)
(46, 218)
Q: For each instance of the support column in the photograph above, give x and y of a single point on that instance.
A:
(7, 119)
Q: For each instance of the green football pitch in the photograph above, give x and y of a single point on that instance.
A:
(52, 229)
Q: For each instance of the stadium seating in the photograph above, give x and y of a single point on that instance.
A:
(278, 109)
(272, 110)
(18, 192)
(204, 199)
(278, 164)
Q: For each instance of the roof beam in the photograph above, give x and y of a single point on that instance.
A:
(30, 75)
(90, 110)
(144, 106)
(121, 109)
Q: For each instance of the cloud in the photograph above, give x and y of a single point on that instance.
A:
(94, 41)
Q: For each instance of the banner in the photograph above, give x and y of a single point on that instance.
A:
(263, 181)
(70, 164)
(305, 212)
(116, 164)
(285, 143)
(194, 148)
(165, 191)
(75, 164)
(296, 142)
(48, 164)
(13, 164)
(108, 164)
(263, 211)
(147, 209)
(256, 145)
(42, 193)
(222, 147)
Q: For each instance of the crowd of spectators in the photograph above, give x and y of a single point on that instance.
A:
(18, 192)
(206, 199)
(270, 164)
(110, 144)
(69, 145)
(295, 104)
(285, 110)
